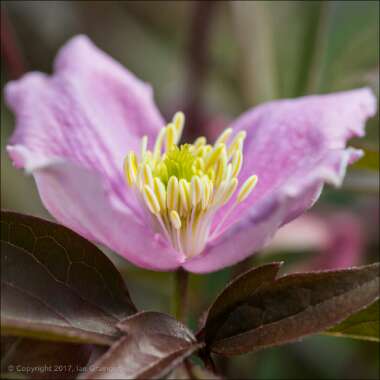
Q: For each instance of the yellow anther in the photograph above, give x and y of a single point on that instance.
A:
(221, 167)
(160, 192)
(241, 135)
(158, 144)
(133, 160)
(147, 175)
(199, 164)
(162, 171)
(170, 136)
(175, 219)
(200, 151)
(237, 143)
(225, 191)
(206, 191)
(224, 136)
(200, 141)
(237, 161)
(215, 154)
(203, 151)
(228, 172)
(130, 168)
(172, 193)
(151, 200)
(196, 190)
(229, 190)
(144, 146)
(184, 195)
(127, 174)
(179, 121)
(210, 191)
(246, 188)
(211, 174)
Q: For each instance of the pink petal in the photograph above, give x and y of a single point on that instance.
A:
(294, 146)
(87, 116)
(78, 198)
(91, 112)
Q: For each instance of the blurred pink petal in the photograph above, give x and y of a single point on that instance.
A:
(75, 128)
(345, 246)
(306, 233)
(336, 238)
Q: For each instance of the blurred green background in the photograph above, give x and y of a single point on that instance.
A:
(214, 60)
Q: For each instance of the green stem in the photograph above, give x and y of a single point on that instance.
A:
(180, 294)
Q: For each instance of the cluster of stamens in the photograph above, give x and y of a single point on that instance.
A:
(183, 186)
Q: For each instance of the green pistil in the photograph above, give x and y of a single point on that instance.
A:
(178, 162)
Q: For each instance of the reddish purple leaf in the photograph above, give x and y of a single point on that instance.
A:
(56, 285)
(295, 306)
(154, 344)
(35, 359)
(234, 294)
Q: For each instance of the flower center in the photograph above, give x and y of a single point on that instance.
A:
(183, 186)
(179, 162)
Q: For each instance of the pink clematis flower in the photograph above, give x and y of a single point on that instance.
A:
(194, 206)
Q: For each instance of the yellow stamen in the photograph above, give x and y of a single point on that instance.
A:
(172, 193)
(199, 142)
(183, 186)
(196, 190)
(206, 193)
(170, 136)
(237, 161)
(230, 189)
(184, 192)
(160, 192)
(246, 188)
(151, 200)
(237, 143)
(224, 136)
(147, 175)
(221, 167)
(158, 144)
(215, 154)
(175, 219)
(179, 121)
(130, 168)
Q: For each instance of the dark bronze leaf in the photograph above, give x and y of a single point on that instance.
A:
(295, 306)
(154, 345)
(56, 285)
(235, 293)
(363, 325)
(35, 359)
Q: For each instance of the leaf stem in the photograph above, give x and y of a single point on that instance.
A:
(181, 278)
